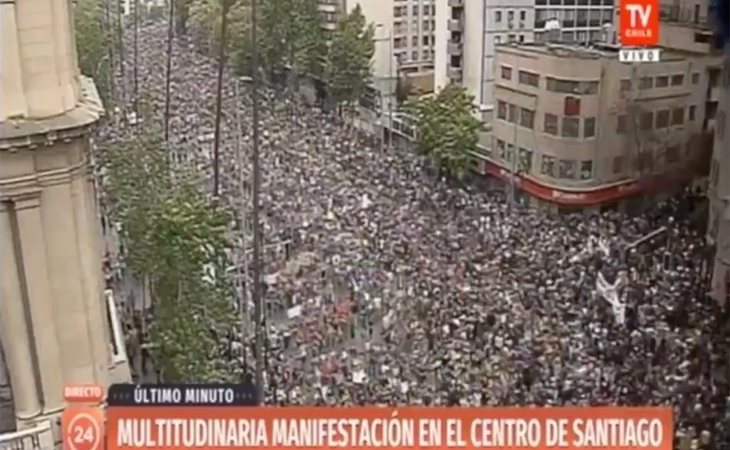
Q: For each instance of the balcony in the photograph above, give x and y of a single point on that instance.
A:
(455, 73)
(455, 48)
(456, 3)
(37, 438)
(455, 25)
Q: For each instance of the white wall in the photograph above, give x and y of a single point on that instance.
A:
(473, 46)
(441, 59)
(498, 32)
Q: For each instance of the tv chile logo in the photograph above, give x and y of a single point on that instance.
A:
(639, 23)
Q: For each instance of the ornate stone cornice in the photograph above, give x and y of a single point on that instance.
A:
(29, 184)
(72, 124)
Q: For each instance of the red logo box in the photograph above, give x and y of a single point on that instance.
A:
(639, 23)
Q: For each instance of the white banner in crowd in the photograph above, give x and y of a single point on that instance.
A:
(609, 292)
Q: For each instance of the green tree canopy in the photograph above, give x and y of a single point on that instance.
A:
(447, 129)
(176, 242)
(347, 70)
(290, 36)
(205, 17)
(92, 43)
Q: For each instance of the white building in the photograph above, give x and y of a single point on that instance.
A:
(580, 20)
(467, 32)
(404, 36)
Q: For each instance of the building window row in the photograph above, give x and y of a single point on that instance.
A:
(523, 117)
(570, 126)
(561, 86)
(656, 120)
(498, 15)
(658, 82)
(428, 10)
(648, 161)
(571, 86)
(520, 162)
(574, 2)
(566, 169)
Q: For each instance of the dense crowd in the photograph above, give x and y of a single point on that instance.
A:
(388, 285)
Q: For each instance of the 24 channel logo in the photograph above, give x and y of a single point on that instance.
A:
(639, 31)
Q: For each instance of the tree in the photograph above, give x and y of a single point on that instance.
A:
(177, 242)
(291, 37)
(447, 129)
(347, 69)
(93, 42)
(182, 15)
(206, 17)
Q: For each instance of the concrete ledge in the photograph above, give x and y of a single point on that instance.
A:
(71, 124)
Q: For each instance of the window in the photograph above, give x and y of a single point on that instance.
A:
(571, 125)
(510, 16)
(529, 78)
(621, 123)
(398, 11)
(501, 148)
(662, 81)
(425, 25)
(506, 73)
(414, 41)
(696, 78)
(586, 170)
(511, 37)
(426, 40)
(524, 162)
(497, 39)
(512, 114)
(692, 112)
(672, 154)
(548, 166)
(522, 38)
(646, 83)
(571, 106)
(625, 85)
(509, 154)
(523, 15)
(678, 116)
(567, 169)
(501, 110)
(572, 87)
(677, 80)
(551, 124)
(415, 10)
(589, 127)
(498, 16)
(646, 120)
(618, 164)
(527, 118)
(414, 56)
(662, 119)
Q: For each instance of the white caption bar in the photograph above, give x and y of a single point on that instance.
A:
(639, 55)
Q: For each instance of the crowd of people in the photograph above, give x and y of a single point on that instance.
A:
(385, 284)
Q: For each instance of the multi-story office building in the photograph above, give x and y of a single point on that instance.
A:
(580, 20)
(404, 33)
(467, 35)
(57, 326)
(574, 127)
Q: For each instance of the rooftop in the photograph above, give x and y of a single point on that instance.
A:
(594, 50)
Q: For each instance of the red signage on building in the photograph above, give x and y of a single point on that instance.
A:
(639, 23)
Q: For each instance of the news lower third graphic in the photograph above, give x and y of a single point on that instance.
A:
(217, 417)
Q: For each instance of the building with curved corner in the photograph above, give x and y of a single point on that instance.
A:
(55, 320)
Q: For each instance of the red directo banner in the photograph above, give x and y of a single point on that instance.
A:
(156, 426)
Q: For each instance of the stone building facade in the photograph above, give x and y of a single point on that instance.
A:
(55, 322)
